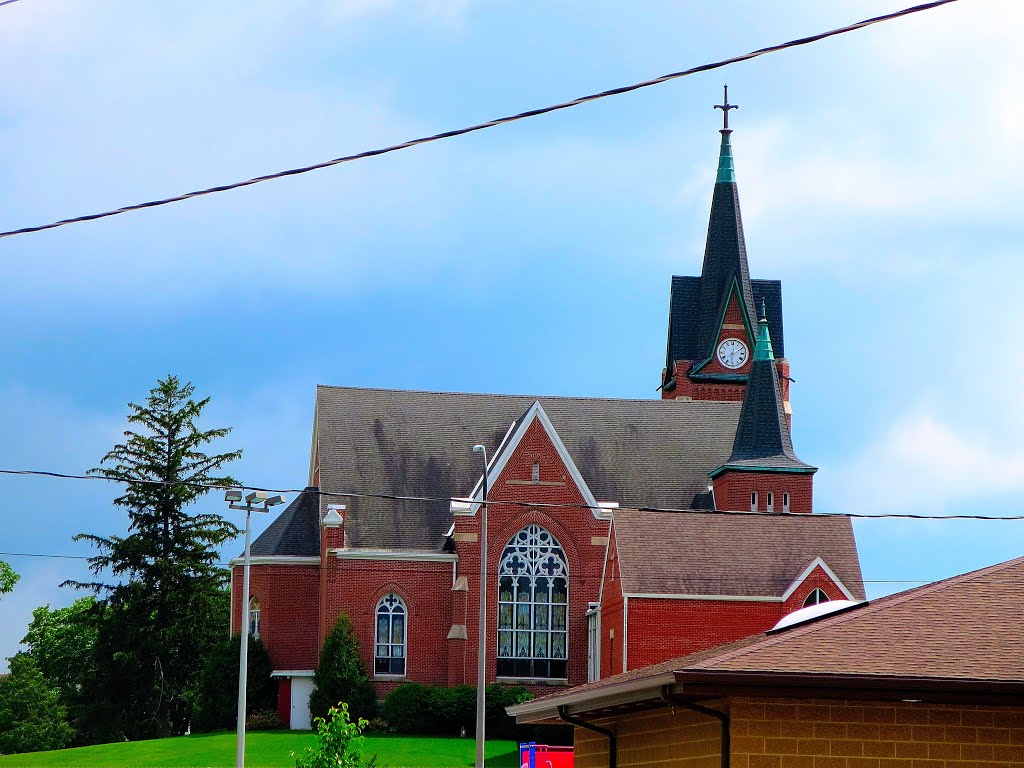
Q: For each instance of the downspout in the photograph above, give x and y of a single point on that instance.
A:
(671, 699)
(613, 744)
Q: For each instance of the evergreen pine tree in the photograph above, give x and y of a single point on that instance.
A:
(169, 605)
(341, 677)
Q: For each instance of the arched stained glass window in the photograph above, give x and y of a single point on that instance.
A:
(254, 617)
(389, 656)
(533, 606)
(816, 597)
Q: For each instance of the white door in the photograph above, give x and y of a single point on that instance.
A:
(302, 687)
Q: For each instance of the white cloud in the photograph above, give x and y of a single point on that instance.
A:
(924, 464)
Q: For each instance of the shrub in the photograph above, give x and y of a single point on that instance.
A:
(411, 708)
(426, 709)
(264, 720)
(341, 676)
(216, 704)
(339, 743)
(497, 723)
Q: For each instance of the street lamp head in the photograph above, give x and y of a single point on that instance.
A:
(479, 449)
(273, 501)
(256, 497)
(233, 495)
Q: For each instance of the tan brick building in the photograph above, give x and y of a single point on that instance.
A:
(929, 678)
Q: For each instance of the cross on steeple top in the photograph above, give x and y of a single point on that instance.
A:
(725, 108)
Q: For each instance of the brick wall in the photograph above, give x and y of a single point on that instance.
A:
(661, 629)
(791, 733)
(842, 734)
(288, 611)
(355, 587)
(580, 534)
(683, 739)
(733, 490)
(612, 606)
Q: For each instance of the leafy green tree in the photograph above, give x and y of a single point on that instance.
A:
(32, 717)
(169, 605)
(8, 578)
(341, 675)
(339, 742)
(216, 703)
(61, 643)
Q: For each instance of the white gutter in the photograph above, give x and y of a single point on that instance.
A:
(626, 692)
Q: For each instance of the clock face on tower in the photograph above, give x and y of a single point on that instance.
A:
(732, 353)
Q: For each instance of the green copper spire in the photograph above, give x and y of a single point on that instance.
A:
(726, 172)
(763, 347)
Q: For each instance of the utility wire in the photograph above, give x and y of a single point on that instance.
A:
(7, 2)
(576, 578)
(495, 502)
(483, 126)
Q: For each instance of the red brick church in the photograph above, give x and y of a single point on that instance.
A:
(606, 547)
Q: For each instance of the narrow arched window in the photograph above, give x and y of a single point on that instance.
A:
(753, 501)
(533, 606)
(771, 501)
(816, 597)
(785, 502)
(392, 628)
(535, 473)
(254, 617)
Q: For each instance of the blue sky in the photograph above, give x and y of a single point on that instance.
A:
(880, 176)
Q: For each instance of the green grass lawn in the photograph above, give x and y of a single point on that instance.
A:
(266, 749)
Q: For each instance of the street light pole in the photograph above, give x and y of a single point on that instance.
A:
(481, 651)
(264, 502)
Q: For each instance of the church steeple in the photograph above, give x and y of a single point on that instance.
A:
(763, 439)
(725, 273)
(713, 318)
(762, 453)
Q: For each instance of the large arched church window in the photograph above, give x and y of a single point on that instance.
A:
(389, 656)
(533, 606)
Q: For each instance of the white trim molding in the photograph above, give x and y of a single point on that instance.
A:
(817, 563)
(277, 560)
(508, 448)
(395, 554)
(622, 693)
(293, 673)
(671, 596)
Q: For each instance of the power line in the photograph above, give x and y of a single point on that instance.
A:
(7, 2)
(485, 125)
(495, 502)
(575, 578)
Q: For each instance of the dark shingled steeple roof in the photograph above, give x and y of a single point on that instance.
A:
(698, 304)
(763, 440)
(725, 258)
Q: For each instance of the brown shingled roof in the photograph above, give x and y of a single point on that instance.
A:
(962, 633)
(707, 554)
(967, 627)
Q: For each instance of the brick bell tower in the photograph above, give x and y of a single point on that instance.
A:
(763, 474)
(713, 318)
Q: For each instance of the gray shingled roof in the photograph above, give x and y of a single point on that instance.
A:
(294, 532)
(682, 325)
(406, 443)
(744, 555)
